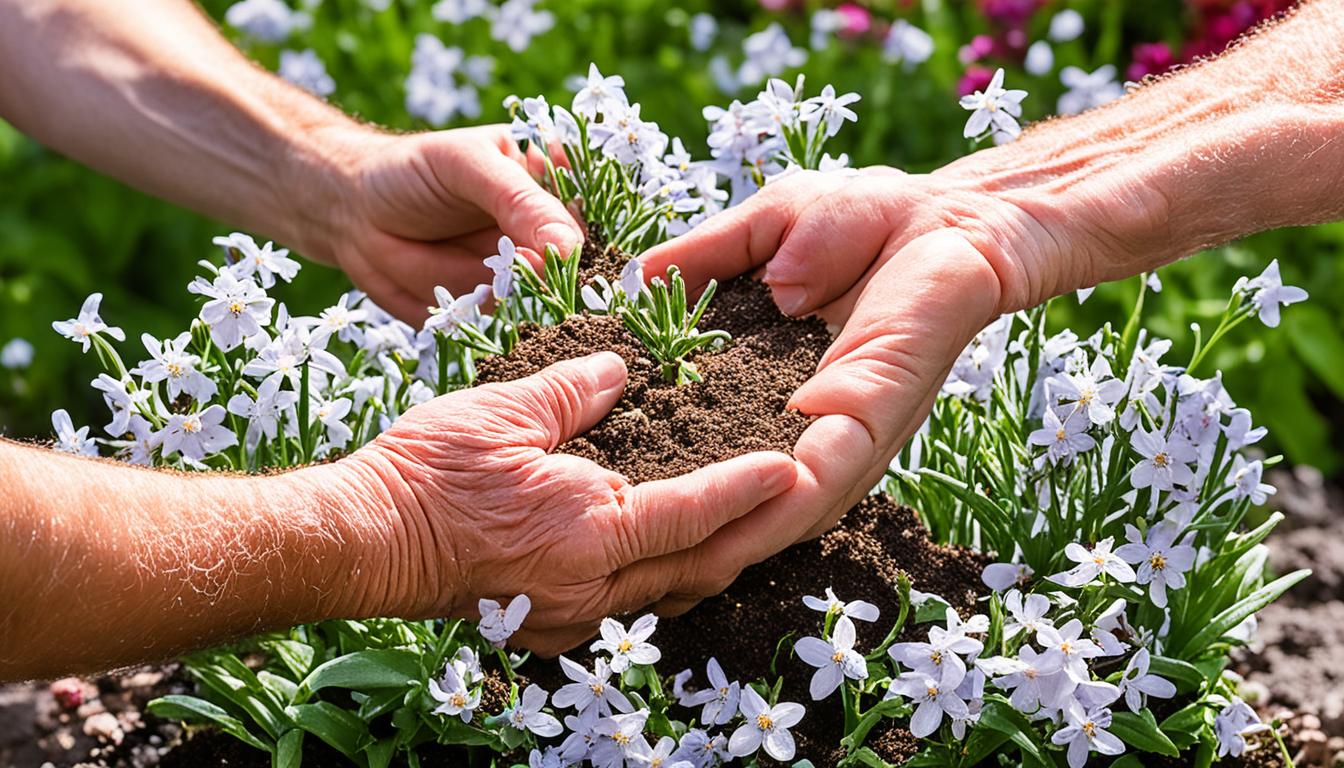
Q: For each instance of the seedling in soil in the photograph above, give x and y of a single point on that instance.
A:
(659, 319)
(558, 294)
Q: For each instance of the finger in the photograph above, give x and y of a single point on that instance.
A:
(416, 267)
(564, 400)
(735, 241)
(666, 516)
(549, 643)
(502, 186)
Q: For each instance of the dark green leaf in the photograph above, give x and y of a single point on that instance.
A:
(1141, 732)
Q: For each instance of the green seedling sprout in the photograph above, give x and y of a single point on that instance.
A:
(660, 320)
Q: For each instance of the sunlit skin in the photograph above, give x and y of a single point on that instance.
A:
(908, 268)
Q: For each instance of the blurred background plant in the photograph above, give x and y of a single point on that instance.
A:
(411, 64)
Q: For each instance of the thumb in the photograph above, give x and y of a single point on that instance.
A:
(500, 185)
(564, 400)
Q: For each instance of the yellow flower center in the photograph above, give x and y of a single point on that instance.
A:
(764, 722)
(625, 646)
(620, 738)
(838, 656)
(1059, 434)
(236, 307)
(1160, 460)
(932, 691)
(459, 700)
(174, 370)
(1158, 561)
(936, 657)
(1090, 728)
(1066, 647)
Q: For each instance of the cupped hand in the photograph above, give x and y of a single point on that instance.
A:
(909, 268)
(481, 507)
(419, 210)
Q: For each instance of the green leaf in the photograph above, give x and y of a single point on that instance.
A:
(1185, 725)
(289, 750)
(1001, 716)
(283, 688)
(193, 710)
(1141, 732)
(1185, 675)
(1316, 338)
(363, 670)
(338, 728)
(1240, 610)
(297, 657)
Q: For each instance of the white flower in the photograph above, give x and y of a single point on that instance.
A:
(1066, 646)
(1066, 25)
(1039, 61)
(70, 440)
(1088, 90)
(702, 750)
(1093, 563)
(935, 695)
(1136, 682)
(1162, 562)
(600, 95)
(1239, 431)
(720, 700)
(1233, 725)
(829, 110)
(579, 744)
(516, 22)
(501, 264)
(835, 660)
(975, 369)
(620, 740)
(459, 11)
(270, 21)
(140, 442)
(498, 624)
(1027, 615)
(197, 435)
(264, 262)
(590, 690)
(1165, 463)
(765, 726)
(1268, 292)
(526, 715)
(236, 309)
(858, 610)
(628, 648)
(122, 402)
(1036, 680)
(704, 28)
(1085, 733)
(945, 648)
(993, 109)
(454, 312)
(16, 355)
(88, 324)
(331, 414)
(1063, 439)
(908, 43)
(306, 70)
(1246, 481)
(455, 700)
(1002, 576)
(1093, 391)
(340, 321)
(769, 53)
(169, 361)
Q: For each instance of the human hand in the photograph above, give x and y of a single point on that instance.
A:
(478, 506)
(910, 268)
(414, 211)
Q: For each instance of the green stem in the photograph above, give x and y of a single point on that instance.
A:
(305, 429)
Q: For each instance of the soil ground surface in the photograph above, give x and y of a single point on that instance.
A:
(658, 430)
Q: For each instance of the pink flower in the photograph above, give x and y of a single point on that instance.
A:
(979, 47)
(1150, 59)
(975, 79)
(777, 5)
(856, 21)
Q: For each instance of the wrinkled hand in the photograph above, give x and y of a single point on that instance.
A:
(911, 268)
(421, 210)
(484, 509)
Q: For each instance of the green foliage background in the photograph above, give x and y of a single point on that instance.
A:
(65, 231)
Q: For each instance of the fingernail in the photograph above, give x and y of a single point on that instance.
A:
(789, 298)
(563, 237)
(779, 476)
(609, 368)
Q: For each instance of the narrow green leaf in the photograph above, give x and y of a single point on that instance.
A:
(340, 729)
(193, 710)
(363, 670)
(1239, 611)
(1141, 732)
(289, 750)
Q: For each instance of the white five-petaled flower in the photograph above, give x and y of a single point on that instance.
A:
(591, 690)
(121, 401)
(331, 415)
(719, 700)
(1036, 680)
(600, 95)
(935, 695)
(455, 700)
(1062, 439)
(1233, 724)
(628, 647)
(1246, 480)
(16, 354)
(858, 610)
(1137, 682)
(1268, 293)
(835, 660)
(169, 361)
(1162, 561)
(501, 264)
(70, 440)
(1085, 732)
(526, 715)
(766, 727)
(1092, 563)
(88, 324)
(1028, 614)
(994, 109)
(454, 312)
(1093, 391)
(1166, 461)
(620, 740)
(237, 308)
(829, 111)
(944, 648)
(264, 262)
(1088, 89)
(341, 321)
(1003, 576)
(498, 624)
(197, 435)
(306, 70)
(1066, 646)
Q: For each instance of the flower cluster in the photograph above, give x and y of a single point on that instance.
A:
(443, 82)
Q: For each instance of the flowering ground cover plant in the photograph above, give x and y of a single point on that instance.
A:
(1107, 494)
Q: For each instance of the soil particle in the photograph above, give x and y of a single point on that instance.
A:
(659, 430)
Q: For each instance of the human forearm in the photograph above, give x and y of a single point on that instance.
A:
(150, 93)
(103, 564)
(1250, 141)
